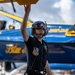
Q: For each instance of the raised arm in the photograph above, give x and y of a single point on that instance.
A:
(24, 23)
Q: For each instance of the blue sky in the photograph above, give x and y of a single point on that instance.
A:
(46, 10)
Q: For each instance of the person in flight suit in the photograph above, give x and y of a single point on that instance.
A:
(37, 50)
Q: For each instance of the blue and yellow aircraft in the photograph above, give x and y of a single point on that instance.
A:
(60, 39)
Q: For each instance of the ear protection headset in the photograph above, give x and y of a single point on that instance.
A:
(38, 24)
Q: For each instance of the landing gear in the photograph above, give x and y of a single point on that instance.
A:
(8, 66)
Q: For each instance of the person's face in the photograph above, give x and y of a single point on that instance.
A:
(39, 32)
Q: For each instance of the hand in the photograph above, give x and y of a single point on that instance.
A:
(52, 73)
(27, 8)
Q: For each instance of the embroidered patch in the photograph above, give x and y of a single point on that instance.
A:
(45, 47)
(36, 51)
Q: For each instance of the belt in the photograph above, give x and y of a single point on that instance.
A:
(41, 72)
(38, 72)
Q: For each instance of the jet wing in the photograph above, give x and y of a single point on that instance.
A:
(14, 17)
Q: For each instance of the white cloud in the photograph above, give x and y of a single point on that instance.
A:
(65, 7)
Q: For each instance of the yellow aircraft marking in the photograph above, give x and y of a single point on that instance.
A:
(70, 33)
(21, 2)
(58, 30)
(5, 1)
(67, 33)
(15, 17)
(15, 50)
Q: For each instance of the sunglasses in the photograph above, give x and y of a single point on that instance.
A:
(39, 28)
